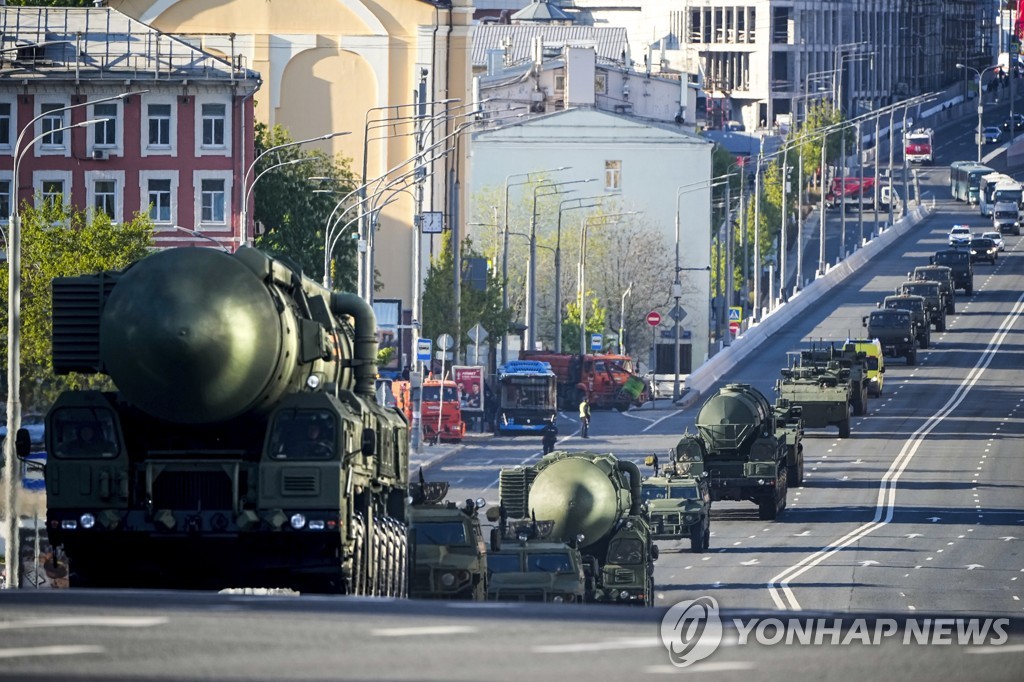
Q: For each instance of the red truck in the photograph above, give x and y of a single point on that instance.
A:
(608, 381)
(918, 145)
(440, 409)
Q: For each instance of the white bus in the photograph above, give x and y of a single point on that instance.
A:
(986, 188)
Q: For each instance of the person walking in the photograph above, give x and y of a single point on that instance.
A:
(584, 417)
(549, 434)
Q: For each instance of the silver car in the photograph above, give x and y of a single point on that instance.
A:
(997, 238)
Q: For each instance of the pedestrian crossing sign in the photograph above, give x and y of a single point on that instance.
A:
(735, 314)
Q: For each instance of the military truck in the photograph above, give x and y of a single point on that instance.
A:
(852, 368)
(449, 556)
(935, 310)
(593, 500)
(959, 261)
(244, 445)
(819, 394)
(679, 501)
(895, 330)
(525, 565)
(918, 309)
(944, 276)
(751, 449)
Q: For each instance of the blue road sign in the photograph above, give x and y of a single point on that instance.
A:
(423, 348)
(595, 342)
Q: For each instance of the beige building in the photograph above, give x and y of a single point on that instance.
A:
(335, 65)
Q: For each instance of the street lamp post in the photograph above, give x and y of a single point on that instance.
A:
(558, 262)
(252, 166)
(504, 245)
(981, 97)
(622, 318)
(581, 268)
(10, 498)
(531, 265)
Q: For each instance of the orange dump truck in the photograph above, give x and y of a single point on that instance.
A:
(607, 380)
(440, 411)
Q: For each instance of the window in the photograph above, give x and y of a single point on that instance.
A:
(105, 134)
(105, 197)
(5, 199)
(613, 175)
(159, 121)
(212, 201)
(53, 192)
(5, 124)
(213, 125)
(53, 121)
(159, 194)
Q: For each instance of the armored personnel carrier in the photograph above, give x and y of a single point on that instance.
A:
(851, 365)
(526, 565)
(944, 276)
(244, 445)
(593, 500)
(918, 309)
(934, 301)
(449, 557)
(678, 501)
(819, 394)
(751, 450)
(895, 330)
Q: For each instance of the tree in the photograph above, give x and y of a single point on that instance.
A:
(59, 241)
(291, 211)
(483, 307)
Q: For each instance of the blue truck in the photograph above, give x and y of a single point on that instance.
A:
(527, 397)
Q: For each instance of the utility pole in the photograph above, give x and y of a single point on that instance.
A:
(757, 235)
(822, 265)
(727, 298)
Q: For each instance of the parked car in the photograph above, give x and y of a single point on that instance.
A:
(983, 248)
(997, 237)
(991, 135)
(1017, 121)
(960, 235)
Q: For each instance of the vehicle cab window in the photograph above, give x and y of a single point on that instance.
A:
(84, 432)
(303, 434)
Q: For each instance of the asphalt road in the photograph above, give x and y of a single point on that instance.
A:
(919, 513)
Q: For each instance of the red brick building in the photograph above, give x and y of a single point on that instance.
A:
(175, 146)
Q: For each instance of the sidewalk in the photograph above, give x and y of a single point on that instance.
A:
(432, 455)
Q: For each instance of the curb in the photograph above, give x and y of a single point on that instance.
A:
(688, 399)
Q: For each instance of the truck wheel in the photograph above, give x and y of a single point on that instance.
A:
(940, 324)
(696, 539)
(951, 307)
(844, 428)
(860, 402)
(911, 357)
(707, 537)
(970, 287)
(768, 507)
(795, 472)
(926, 338)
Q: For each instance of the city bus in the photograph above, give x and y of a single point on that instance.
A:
(965, 178)
(986, 191)
(527, 397)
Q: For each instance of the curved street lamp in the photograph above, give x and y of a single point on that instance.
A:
(14, 333)
(981, 97)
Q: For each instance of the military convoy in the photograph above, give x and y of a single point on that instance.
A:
(944, 276)
(594, 502)
(895, 330)
(918, 308)
(821, 391)
(243, 446)
(960, 265)
(934, 303)
(751, 449)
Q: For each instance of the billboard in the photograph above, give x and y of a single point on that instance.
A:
(389, 335)
(470, 381)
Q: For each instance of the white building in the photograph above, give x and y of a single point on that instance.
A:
(640, 165)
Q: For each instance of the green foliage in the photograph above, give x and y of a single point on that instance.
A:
(58, 241)
(597, 320)
(384, 356)
(293, 216)
(483, 307)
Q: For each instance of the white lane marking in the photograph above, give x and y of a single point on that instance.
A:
(667, 416)
(637, 416)
(85, 621)
(58, 650)
(886, 501)
(425, 630)
(711, 667)
(996, 649)
(579, 647)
